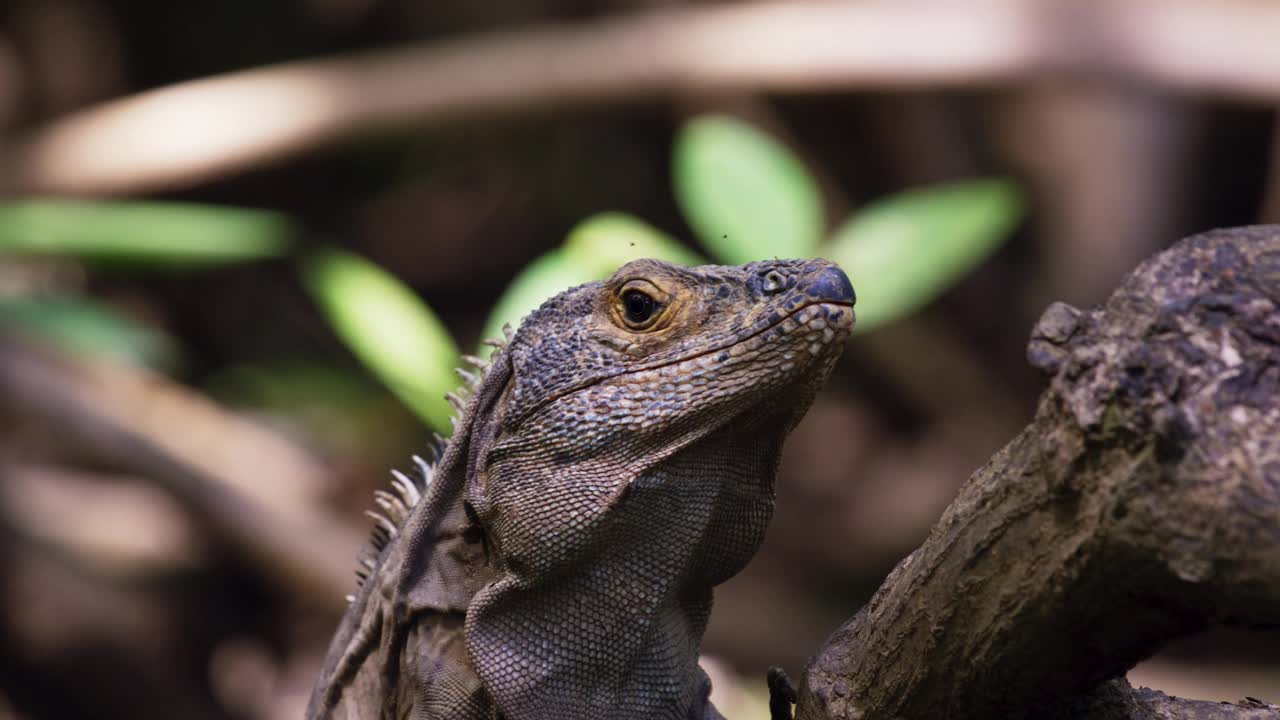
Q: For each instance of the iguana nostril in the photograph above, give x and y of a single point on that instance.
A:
(773, 282)
(831, 284)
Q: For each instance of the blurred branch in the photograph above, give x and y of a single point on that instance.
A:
(135, 528)
(1112, 171)
(1140, 505)
(243, 481)
(205, 128)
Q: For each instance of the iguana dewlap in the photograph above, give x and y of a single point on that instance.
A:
(615, 461)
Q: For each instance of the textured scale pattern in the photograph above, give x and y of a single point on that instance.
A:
(607, 471)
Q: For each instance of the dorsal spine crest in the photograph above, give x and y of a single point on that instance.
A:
(406, 492)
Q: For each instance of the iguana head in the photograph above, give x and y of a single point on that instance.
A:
(668, 340)
(630, 467)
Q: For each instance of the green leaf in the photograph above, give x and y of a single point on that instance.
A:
(595, 248)
(86, 327)
(745, 195)
(389, 328)
(547, 275)
(142, 233)
(605, 242)
(906, 249)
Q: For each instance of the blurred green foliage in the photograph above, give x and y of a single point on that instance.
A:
(749, 198)
(902, 251)
(84, 326)
(389, 328)
(165, 235)
(593, 250)
(746, 196)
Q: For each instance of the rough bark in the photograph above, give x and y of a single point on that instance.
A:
(1142, 503)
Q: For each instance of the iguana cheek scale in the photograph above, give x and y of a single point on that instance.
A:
(614, 462)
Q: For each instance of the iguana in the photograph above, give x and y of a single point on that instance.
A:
(614, 461)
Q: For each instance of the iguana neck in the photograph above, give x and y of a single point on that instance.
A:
(419, 583)
(641, 588)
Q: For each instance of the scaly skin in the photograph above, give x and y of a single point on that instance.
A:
(615, 462)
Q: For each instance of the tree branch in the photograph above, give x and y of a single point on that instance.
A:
(198, 130)
(1141, 504)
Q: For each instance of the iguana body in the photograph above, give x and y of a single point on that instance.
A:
(613, 464)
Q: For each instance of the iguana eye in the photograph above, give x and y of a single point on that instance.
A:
(641, 305)
(637, 307)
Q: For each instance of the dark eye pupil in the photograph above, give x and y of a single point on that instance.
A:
(638, 306)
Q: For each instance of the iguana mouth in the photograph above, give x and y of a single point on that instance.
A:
(831, 312)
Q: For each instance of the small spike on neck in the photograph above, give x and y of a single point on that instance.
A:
(406, 492)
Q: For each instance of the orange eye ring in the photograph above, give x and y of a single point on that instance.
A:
(640, 306)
